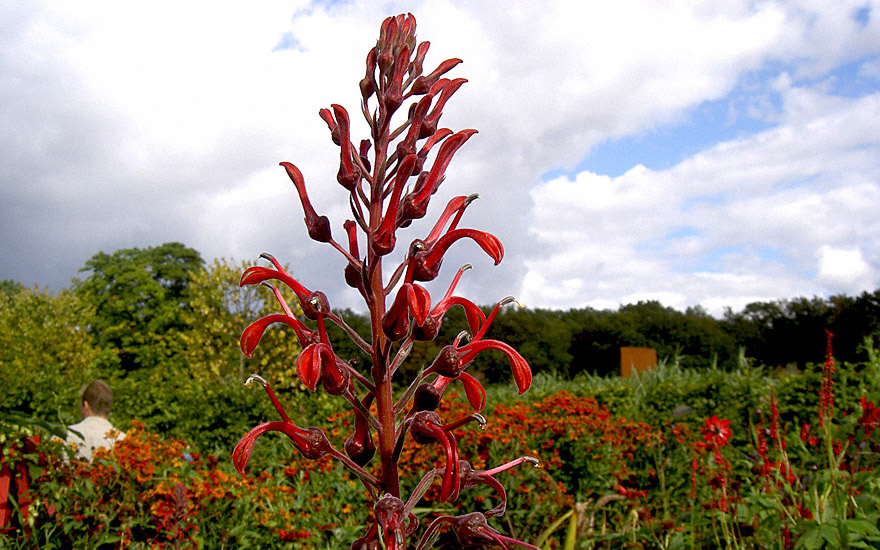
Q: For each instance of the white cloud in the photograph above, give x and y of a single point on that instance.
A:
(130, 124)
(844, 269)
(759, 210)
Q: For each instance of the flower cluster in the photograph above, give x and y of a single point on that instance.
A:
(390, 180)
(826, 391)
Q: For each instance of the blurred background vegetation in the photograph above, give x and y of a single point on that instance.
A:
(161, 326)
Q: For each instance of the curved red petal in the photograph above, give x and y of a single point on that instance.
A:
(419, 302)
(251, 336)
(308, 365)
(487, 241)
(241, 455)
(474, 315)
(522, 373)
(257, 274)
(475, 392)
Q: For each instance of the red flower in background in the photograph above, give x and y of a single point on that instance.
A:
(716, 431)
(870, 417)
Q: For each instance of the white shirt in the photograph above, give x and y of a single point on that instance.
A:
(97, 432)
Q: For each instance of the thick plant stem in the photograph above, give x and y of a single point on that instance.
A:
(381, 345)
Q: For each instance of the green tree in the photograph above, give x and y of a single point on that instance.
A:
(140, 297)
(219, 310)
(46, 353)
(10, 287)
(540, 335)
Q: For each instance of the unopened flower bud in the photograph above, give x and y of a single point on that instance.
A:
(427, 397)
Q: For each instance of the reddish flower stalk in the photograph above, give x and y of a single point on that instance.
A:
(390, 182)
(826, 391)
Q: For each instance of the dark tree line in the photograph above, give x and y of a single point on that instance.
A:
(143, 312)
(774, 334)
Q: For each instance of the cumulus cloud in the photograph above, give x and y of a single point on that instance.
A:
(130, 125)
(844, 269)
(743, 220)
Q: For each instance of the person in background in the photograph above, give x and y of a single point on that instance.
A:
(95, 430)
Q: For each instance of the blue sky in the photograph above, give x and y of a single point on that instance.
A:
(693, 153)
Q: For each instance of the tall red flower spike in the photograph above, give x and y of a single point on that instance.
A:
(390, 180)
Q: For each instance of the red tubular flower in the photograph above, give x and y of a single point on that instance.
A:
(311, 302)
(407, 146)
(522, 373)
(412, 299)
(348, 174)
(426, 427)
(473, 390)
(416, 202)
(472, 478)
(456, 206)
(452, 360)
(317, 363)
(445, 88)
(472, 530)
(312, 443)
(425, 261)
(353, 276)
(317, 226)
(429, 329)
(716, 431)
(417, 66)
(254, 332)
(359, 446)
(384, 240)
(327, 116)
(390, 516)
(258, 274)
(368, 84)
(423, 84)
